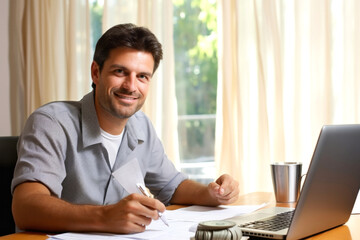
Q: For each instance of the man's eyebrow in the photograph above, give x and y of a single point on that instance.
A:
(117, 66)
(123, 67)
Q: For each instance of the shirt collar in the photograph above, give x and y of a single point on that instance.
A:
(135, 130)
(90, 125)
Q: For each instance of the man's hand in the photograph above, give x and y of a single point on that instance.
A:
(132, 214)
(224, 190)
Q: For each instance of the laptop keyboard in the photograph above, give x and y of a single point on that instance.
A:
(275, 223)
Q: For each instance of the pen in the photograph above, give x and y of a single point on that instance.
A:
(145, 193)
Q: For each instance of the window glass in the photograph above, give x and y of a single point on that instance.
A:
(96, 12)
(195, 44)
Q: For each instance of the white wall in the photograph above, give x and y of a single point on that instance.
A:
(5, 123)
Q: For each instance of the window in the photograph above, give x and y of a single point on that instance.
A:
(96, 12)
(195, 44)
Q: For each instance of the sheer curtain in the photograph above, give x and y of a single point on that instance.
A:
(49, 54)
(160, 105)
(286, 68)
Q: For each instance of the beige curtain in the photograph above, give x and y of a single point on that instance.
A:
(286, 68)
(49, 54)
(160, 106)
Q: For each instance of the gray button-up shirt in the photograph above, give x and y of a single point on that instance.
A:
(61, 147)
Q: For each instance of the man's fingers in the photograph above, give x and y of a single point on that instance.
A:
(215, 188)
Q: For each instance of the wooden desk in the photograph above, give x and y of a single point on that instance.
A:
(348, 231)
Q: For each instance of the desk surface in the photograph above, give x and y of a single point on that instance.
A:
(346, 232)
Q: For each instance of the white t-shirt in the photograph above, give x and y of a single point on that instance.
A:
(112, 144)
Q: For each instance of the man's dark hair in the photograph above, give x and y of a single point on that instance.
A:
(129, 36)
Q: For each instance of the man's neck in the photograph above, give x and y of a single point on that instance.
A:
(110, 123)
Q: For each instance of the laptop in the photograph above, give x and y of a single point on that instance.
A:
(327, 196)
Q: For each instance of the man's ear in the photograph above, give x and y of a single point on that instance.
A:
(95, 72)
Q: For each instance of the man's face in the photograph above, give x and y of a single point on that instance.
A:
(122, 85)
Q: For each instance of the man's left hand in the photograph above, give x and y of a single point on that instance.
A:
(224, 190)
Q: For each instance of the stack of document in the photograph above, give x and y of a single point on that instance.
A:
(183, 223)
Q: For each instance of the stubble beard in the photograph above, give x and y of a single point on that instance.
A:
(124, 111)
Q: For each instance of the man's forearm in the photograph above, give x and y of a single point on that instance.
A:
(35, 209)
(191, 192)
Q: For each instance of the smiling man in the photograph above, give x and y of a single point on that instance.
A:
(70, 152)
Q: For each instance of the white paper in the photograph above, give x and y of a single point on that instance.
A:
(129, 175)
(182, 223)
(197, 213)
(356, 209)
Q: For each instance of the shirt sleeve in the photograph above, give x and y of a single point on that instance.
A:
(41, 153)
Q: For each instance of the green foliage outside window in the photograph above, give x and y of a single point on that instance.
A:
(195, 40)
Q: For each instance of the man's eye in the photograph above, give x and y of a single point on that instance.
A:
(119, 71)
(143, 77)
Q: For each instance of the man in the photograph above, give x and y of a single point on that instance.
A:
(71, 152)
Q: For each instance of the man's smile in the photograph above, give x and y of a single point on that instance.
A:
(126, 98)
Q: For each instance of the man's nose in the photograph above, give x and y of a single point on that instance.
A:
(130, 82)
